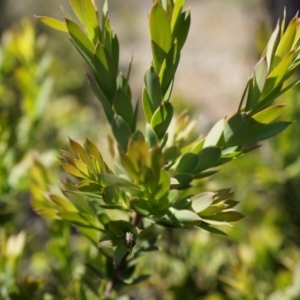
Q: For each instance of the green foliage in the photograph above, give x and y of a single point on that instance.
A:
(157, 180)
(154, 189)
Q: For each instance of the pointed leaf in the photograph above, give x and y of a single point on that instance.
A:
(235, 128)
(161, 119)
(73, 171)
(147, 107)
(80, 219)
(77, 7)
(142, 207)
(105, 71)
(63, 203)
(80, 39)
(151, 136)
(186, 217)
(110, 195)
(181, 28)
(215, 133)
(266, 116)
(53, 23)
(184, 178)
(187, 163)
(202, 201)
(122, 106)
(119, 253)
(226, 216)
(168, 69)
(153, 88)
(102, 98)
(208, 228)
(264, 132)
(287, 40)
(91, 20)
(121, 131)
(208, 157)
(271, 46)
(257, 83)
(160, 31)
(79, 151)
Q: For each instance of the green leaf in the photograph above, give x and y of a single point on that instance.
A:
(117, 181)
(235, 128)
(79, 219)
(158, 56)
(63, 203)
(120, 227)
(102, 98)
(105, 71)
(94, 152)
(153, 88)
(88, 186)
(79, 151)
(167, 71)
(271, 46)
(197, 147)
(213, 209)
(77, 7)
(171, 153)
(161, 119)
(47, 212)
(121, 131)
(205, 174)
(53, 23)
(263, 133)
(266, 116)
(215, 134)
(110, 195)
(80, 40)
(176, 12)
(226, 216)
(208, 228)
(160, 33)
(257, 83)
(275, 78)
(73, 171)
(151, 136)
(181, 28)
(164, 184)
(122, 106)
(142, 207)
(208, 157)
(184, 178)
(91, 20)
(202, 201)
(187, 163)
(287, 41)
(147, 105)
(119, 253)
(122, 83)
(186, 217)
(82, 167)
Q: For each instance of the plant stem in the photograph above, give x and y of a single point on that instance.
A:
(122, 264)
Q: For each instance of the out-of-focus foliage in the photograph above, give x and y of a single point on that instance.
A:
(30, 130)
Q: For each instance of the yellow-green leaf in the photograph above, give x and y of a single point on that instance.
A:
(54, 23)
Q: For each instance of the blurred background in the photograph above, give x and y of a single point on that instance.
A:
(45, 97)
